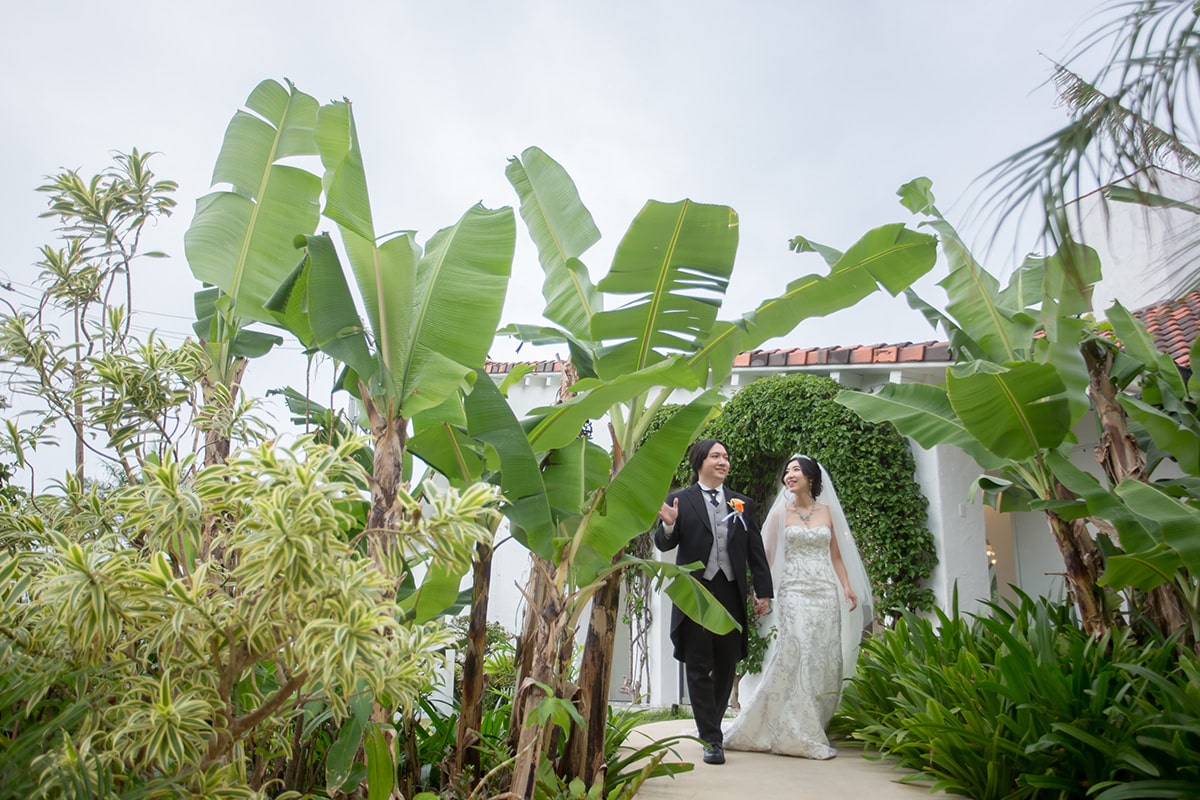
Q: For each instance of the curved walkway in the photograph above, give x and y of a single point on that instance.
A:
(764, 777)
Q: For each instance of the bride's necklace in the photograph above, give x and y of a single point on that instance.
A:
(803, 517)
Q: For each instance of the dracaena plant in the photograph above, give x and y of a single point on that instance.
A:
(186, 655)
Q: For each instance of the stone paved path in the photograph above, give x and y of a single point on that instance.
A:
(759, 776)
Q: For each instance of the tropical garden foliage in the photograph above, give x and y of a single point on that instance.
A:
(1029, 365)
(1021, 702)
(263, 619)
(243, 616)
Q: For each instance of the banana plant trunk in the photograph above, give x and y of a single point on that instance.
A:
(1084, 563)
(386, 478)
(585, 748)
(550, 643)
(1123, 459)
(216, 440)
(466, 752)
(584, 757)
(535, 600)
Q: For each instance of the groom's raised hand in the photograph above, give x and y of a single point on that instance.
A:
(669, 513)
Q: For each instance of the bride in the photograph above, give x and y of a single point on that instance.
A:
(818, 616)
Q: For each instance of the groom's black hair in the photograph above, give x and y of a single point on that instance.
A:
(698, 452)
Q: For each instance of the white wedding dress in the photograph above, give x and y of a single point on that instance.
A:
(800, 684)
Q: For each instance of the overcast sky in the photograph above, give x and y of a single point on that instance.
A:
(804, 117)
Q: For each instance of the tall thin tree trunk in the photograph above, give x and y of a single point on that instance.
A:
(550, 643)
(216, 440)
(466, 752)
(391, 436)
(585, 747)
(1122, 459)
(77, 380)
(1084, 564)
(536, 592)
(387, 476)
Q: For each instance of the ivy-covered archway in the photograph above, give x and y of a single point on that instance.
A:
(871, 465)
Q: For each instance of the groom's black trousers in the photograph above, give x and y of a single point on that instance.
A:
(710, 660)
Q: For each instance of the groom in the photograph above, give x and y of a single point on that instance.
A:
(715, 526)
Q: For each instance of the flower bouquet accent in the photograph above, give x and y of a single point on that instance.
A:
(738, 505)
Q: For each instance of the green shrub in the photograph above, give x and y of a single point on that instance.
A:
(1024, 704)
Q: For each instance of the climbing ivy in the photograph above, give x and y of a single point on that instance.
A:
(871, 465)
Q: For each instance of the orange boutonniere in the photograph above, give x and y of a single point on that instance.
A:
(738, 505)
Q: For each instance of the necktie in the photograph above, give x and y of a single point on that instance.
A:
(712, 496)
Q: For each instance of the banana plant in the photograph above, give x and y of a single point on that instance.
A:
(1152, 519)
(1019, 385)
(570, 509)
(418, 350)
(669, 273)
(241, 240)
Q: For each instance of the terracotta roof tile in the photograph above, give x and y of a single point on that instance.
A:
(1174, 325)
(886, 355)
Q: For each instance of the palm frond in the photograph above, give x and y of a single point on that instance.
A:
(1135, 115)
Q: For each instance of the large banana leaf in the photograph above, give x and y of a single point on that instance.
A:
(240, 239)
(448, 450)
(1100, 502)
(1062, 350)
(573, 474)
(674, 263)
(246, 343)
(316, 305)
(1176, 521)
(491, 420)
(562, 229)
(891, 256)
(1013, 411)
(551, 427)
(437, 593)
(1139, 344)
(1061, 284)
(461, 284)
(636, 492)
(960, 342)
(583, 351)
(973, 302)
(687, 593)
(434, 316)
(1147, 561)
(922, 412)
(1171, 434)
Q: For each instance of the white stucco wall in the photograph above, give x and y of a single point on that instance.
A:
(946, 475)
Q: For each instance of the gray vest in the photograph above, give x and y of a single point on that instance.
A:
(718, 557)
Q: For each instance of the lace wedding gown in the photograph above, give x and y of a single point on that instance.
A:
(800, 684)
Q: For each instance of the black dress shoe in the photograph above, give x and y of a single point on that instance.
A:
(714, 754)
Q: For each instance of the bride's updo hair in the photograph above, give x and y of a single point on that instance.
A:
(811, 470)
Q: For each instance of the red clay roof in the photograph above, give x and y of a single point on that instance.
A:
(904, 352)
(1174, 326)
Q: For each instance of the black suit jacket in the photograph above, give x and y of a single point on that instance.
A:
(692, 538)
